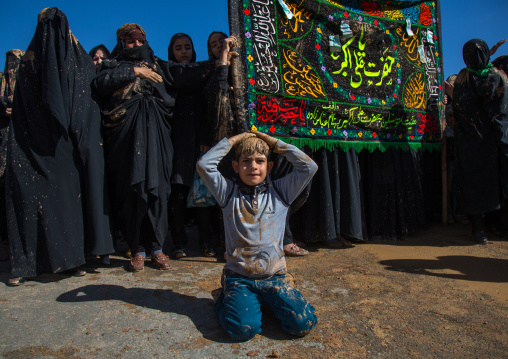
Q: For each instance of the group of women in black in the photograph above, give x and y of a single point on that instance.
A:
(90, 147)
(104, 141)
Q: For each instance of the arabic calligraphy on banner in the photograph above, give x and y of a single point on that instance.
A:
(343, 70)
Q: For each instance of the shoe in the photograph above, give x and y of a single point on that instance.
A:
(480, 237)
(161, 261)
(292, 250)
(209, 252)
(180, 253)
(16, 281)
(137, 263)
(77, 272)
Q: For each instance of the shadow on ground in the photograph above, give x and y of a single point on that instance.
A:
(471, 268)
(198, 310)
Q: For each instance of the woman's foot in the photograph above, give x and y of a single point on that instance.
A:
(292, 250)
(78, 272)
(16, 281)
(179, 253)
(209, 252)
(480, 237)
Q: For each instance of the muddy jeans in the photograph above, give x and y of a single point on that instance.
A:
(238, 309)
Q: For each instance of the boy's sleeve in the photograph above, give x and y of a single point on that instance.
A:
(304, 168)
(207, 170)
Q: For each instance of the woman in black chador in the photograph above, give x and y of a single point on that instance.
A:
(138, 93)
(480, 106)
(55, 164)
(7, 85)
(190, 134)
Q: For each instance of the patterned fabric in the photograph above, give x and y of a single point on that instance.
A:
(359, 74)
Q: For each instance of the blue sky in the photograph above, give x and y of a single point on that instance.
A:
(95, 23)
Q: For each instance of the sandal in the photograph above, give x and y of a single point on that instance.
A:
(292, 250)
(16, 281)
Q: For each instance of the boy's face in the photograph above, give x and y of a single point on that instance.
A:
(253, 169)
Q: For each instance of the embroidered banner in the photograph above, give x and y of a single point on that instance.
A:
(352, 73)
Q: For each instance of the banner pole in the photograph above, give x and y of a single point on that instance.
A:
(237, 68)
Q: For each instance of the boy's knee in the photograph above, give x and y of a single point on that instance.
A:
(301, 324)
(244, 330)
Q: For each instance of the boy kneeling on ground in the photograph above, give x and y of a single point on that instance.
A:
(254, 212)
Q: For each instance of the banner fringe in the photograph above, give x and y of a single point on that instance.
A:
(331, 145)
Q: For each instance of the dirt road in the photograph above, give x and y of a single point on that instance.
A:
(436, 295)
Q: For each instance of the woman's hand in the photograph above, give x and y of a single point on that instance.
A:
(144, 73)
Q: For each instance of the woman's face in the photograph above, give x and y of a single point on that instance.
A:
(182, 49)
(216, 41)
(133, 43)
(99, 57)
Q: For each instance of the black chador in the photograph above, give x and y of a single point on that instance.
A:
(55, 163)
(136, 127)
(480, 106)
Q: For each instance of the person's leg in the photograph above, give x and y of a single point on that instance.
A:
(287, 303)
(291, 249)
(176, 212)
(206, 239)
(158, 258)
(479, 235)
(238, 309)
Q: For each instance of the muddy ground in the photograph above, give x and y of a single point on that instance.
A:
(435, 295)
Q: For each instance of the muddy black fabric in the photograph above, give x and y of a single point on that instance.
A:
(480, 107)
(393, 192)
(137, 134)
(55, 173)
(8, 83)
(476, 54)
(189, 127)
(335, 204)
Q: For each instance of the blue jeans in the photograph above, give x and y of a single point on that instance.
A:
(239, 306)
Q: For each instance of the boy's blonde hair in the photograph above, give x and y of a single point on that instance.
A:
(250, 146)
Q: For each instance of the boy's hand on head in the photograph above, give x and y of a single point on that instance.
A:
(240, 137)
(270, 141)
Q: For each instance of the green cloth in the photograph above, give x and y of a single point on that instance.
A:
(482, 72)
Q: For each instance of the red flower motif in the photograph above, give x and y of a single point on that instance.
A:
(395, 95)
(374, 134)
(435, 37)
(329, 132)
(411, 137)
(252, 82)
(440, 87)
(353, 97)
(247, 12)
(346, 15)
(375, 22)
(395, 47)
(318, 46)
(272, 129)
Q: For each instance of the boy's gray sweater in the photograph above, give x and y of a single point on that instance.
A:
(254, 224)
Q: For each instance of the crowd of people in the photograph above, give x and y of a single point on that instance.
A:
(104, 145)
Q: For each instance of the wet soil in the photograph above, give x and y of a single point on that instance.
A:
(435, 295)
